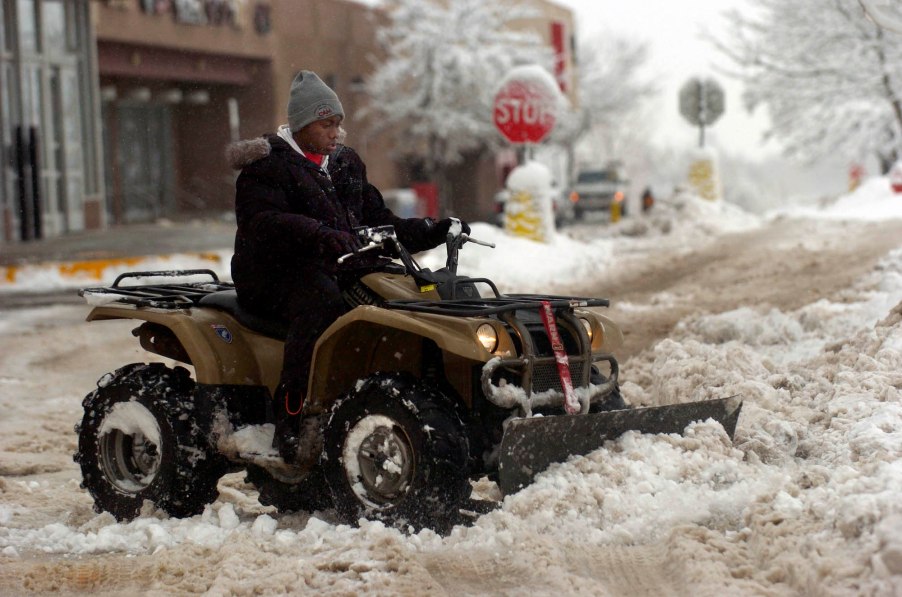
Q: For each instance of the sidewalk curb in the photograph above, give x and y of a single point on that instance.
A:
(94, 268)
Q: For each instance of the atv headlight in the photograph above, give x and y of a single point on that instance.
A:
(587, 325)
(487, 336)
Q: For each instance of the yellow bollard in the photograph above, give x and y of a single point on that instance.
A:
(521, 218)
(703, 179)
(528, 212)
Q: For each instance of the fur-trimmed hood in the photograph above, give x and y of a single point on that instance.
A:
(243, 153)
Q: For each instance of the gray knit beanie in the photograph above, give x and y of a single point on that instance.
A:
(310, 100)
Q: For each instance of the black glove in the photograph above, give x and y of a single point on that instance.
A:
(438, 232)
(335, 243)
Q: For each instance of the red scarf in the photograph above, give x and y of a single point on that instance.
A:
(316, 158)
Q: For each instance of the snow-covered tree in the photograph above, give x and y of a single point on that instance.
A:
(829, 76)
(886, 13)
(435, 86)
(611, 122)
(612, 87)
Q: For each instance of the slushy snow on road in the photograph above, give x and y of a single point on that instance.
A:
(804, 501)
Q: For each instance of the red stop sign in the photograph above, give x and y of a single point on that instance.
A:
(524, 110)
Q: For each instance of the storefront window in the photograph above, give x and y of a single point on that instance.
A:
(71, 112)
(7, 173)
(6, 95)
(28, 26)
(73, 26)
(53, 27)
(31, 94)
(6, 33)
(47, 86)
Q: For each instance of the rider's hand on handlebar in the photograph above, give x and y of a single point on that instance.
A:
(439, 231)
(335, 243)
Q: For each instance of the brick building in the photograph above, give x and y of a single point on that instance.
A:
(164, 85)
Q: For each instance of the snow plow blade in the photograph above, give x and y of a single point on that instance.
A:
(529, 446)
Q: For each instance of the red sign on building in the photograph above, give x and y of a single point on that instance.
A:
(559, 45)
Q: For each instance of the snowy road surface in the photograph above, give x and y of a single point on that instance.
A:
(802, 317)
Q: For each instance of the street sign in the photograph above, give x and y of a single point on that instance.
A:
(524, 110)
(701, 101)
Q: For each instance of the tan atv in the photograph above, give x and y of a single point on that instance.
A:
(430, 380)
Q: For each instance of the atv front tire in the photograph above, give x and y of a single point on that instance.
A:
(140, 439)
(396, 450)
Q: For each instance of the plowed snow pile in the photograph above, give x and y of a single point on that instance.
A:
(804, 501)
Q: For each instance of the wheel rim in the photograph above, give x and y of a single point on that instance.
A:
(378, 459)
(129, 446)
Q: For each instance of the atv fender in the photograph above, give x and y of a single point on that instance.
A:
(221, 350)
(370, 339)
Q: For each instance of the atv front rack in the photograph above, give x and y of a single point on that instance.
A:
(163, 296)
(483, 307)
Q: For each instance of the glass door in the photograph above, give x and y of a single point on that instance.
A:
(27, 115)
(9, 119)
(143, 150)
(43, 116)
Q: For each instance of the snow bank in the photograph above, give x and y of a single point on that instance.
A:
(520, 265)
(873, 200)
(805, 500)
(687, 216)
(42, 277)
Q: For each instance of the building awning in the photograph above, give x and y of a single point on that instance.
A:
(145, 62)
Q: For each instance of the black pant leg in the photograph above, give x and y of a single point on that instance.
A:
(311, 306)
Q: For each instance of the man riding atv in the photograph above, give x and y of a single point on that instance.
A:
(298, 197)
(425, 380)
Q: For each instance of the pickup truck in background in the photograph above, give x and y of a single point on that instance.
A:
(596, 189)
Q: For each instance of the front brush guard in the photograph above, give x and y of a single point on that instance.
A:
(523, 398)
(526, 364)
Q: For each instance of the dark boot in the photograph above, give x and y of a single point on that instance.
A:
(287, 405)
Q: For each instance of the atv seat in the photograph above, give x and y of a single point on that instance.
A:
(227, 300)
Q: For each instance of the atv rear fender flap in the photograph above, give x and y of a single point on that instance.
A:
(221, 350)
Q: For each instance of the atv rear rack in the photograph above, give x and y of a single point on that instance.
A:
(482, 307)
(163, 296)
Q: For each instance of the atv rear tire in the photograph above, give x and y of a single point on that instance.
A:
(309, 494)
(140, 439)
(396, 450)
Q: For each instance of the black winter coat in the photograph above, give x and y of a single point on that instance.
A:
(282, 199)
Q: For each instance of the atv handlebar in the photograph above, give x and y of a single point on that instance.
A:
(363, 249)
(467, 238)
(376, 237)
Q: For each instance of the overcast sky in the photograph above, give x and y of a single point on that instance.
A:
(673, 30)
